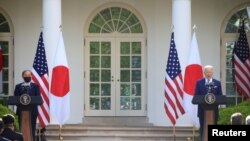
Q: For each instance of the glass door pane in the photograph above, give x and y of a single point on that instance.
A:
(130, 78)
(99, 79)
(114, 80)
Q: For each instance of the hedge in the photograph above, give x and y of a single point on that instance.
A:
(225, 113)
(6, 110)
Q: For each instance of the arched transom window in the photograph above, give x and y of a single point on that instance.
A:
(115, 19)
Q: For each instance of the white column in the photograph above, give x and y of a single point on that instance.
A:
(181, 16)
(51, 23)
(51, 27)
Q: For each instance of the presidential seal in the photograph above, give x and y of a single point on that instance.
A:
(25, 99)
(210, 98)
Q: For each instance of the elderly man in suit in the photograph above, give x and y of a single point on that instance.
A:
(1, 131)
(248, 120)
(32, 89)
(204, 86)
(236, 119)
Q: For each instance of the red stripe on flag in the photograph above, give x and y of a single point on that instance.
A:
(40, 77)
(173, 85)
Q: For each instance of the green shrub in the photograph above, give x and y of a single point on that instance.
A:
(5, 110)
(225, 113)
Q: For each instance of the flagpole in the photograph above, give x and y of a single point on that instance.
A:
(193, 133)
(39, 133)
(174, 132)
(60, 133)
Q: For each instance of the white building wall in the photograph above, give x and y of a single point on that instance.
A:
(208, 15)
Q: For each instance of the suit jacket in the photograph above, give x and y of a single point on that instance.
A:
(32, 91)
(3, 138)
(200, 89)
(12, 135)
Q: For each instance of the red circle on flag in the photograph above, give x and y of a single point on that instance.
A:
(193, 73)
(60, 81)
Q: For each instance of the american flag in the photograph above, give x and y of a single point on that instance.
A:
(241, 63)
(40, 76)
(174, 85)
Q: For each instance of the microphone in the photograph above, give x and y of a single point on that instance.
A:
(209, 86)
(25, 87)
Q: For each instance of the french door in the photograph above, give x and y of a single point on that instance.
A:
(115, 77)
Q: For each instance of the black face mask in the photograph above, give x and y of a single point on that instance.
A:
(27, 79)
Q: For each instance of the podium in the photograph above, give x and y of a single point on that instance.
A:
(25, 103)
(209, 103)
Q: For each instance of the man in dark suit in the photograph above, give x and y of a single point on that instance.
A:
(32, 89)
(1, 130)
(204, 86)
(9, 129)
(236, 119)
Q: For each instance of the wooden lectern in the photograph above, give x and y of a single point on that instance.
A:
(208, 102)
(25, 102)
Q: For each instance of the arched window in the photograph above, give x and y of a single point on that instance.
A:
(4, 25)
(115, 62)
(115, 19)
(6, 43)
(229, 38)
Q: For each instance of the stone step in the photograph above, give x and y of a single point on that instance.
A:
(79, 132)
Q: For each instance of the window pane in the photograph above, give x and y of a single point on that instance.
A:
(136, 47)
(105, 91)
(115, 12)
(106, 76)
(234, 21)
(125, 103)
(136, 62)
(94, 103)
(136, 89)
(125, 14)
(125, 62)
(106, 62)
(4, 25)
(106, 103)
(136, 75)
(229, 75)
(230, 89)
(98, 20)
(106, 14)
(136, 103)
(125, 48)
(94, 75)
(125, 90)
(94, 48)
(136, 28)
(125, 76)
(94, 61)
(106, 48)
(132, 20)
(94, 28)
(94, 89)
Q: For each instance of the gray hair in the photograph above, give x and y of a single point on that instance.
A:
(236, 119)
(208, 67)
(248, 120)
